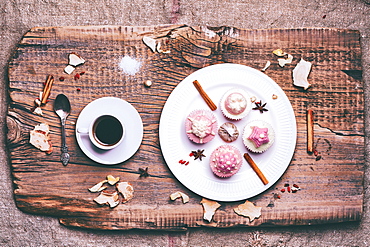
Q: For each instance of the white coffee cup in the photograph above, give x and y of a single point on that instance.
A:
(105, 131)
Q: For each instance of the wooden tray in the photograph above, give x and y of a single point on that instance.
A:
(331, 188)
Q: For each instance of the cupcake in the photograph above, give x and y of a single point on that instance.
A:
(258, 136)
(234, 104)
(201, 126)
(228, 132)
(225, 161)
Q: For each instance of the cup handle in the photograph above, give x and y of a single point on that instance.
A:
(83, 130)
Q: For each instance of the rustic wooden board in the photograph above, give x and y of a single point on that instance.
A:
(331, 188)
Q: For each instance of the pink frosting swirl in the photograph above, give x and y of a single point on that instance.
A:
(259, 136)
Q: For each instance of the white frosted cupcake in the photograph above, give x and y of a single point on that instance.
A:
(235, 104)
(201, 126)
(258, 136)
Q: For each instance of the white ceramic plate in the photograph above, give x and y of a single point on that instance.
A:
(197, 176)
(122, 110)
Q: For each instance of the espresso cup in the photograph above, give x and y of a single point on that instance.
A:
(105, 132)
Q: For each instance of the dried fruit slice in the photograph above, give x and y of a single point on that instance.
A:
(126, 189)
(112, 199)
(209, 208)
(300, 74)
(75, 59)
(283, 61)
(150, 42)
(39, 137)
(279, 52)
(248, 209)
(112, 180)
(98, 187)
(178, 194)
(268, 63)
(69, 69)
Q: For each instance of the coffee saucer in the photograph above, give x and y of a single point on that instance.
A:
(127, 114)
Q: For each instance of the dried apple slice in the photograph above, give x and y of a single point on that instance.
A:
(178, 194)
(112, 180)
(300, 74)
(248, 209)
(74, 59)
(209, 209)
(98, 187)
(39, 137)
(112, 199)
(150, 42)
(283, 61)
(268, 63)
(279, 52)
(69, 69)
(126, 189)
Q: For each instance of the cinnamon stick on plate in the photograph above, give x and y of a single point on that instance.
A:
(250, 161)
(204, 95)
(309, 131)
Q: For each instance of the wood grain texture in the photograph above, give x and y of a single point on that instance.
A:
(331, 188)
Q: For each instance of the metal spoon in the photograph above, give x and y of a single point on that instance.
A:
(62, 107)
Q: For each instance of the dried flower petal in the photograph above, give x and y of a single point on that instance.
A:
(300, 74)
(248, 209)
(126, 189)
(209, 208)
(112, 180)
(178, 194)
(98, 187)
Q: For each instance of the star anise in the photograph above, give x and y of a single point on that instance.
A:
(260, 106)
(143, 172)
(198, 154)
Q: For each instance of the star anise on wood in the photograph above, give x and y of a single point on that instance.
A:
(198, 154)
(143, 172)
(260, 107)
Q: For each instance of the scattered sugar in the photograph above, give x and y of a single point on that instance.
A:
(129, 65)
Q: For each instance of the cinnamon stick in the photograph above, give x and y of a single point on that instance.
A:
(310, 134)
(47, 89)
(250, 161)
(204, 95)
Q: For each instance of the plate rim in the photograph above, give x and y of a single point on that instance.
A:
(225, 66)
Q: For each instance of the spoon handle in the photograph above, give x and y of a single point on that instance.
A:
(65, 156)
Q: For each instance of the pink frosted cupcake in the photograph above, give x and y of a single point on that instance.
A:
(201, 126)
(234, 104)
(225, 161)
(258, 136)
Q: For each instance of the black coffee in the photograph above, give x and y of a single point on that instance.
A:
(108, 130)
